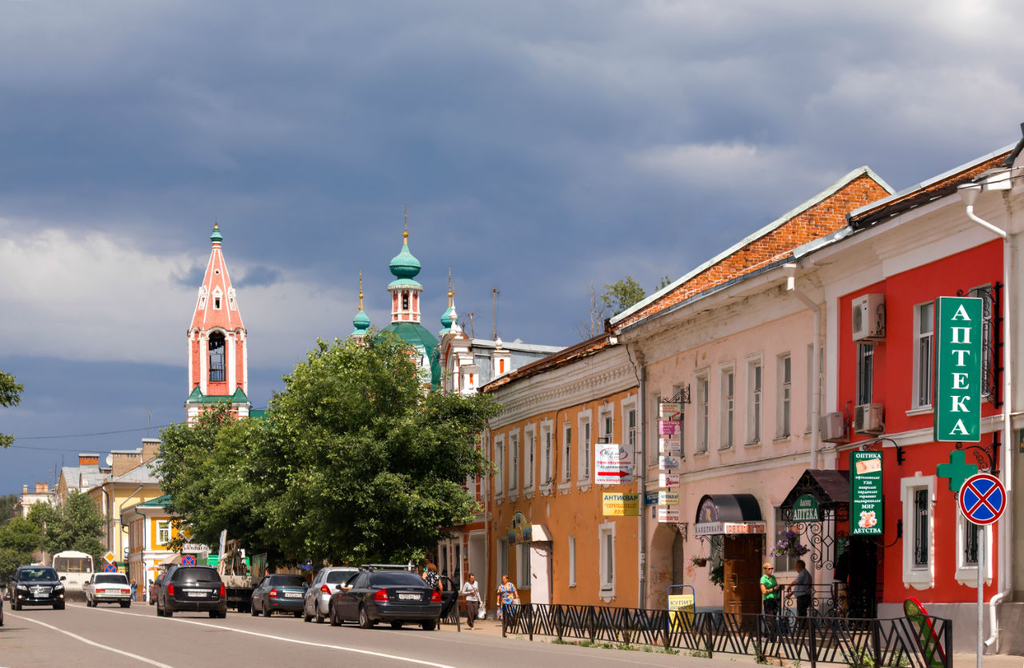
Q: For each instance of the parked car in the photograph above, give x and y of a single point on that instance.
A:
(154, 589)
(108, 588)
(317, 601)
(191, 589)
(279, 592)
(391, 596)
(36, 585)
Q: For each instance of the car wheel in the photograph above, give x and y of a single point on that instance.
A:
(332, 613)
(317, 615)
(58, 606)
(266, 610)
(396, 625)
(297, 613)
(214, 614)
(306, 617)
(253, 611)
(364, 618)
(126, 604)
(16, 606)
(429, 625)
(168, 612)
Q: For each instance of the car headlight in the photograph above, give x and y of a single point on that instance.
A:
(58, 588)
(22, 587)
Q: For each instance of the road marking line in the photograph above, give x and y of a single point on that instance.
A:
(382, 655)
(94, 644)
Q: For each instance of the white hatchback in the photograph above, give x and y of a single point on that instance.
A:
(108, 588)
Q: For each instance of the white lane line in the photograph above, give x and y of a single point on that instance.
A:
(341, 648)
(94, 644)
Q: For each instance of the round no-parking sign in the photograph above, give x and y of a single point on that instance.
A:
(982, 499)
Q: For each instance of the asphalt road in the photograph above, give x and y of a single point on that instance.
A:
(112, 637)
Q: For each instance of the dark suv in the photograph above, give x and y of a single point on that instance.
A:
(36, 585)
(192, 589)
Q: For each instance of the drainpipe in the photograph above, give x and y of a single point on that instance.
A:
(641, 467)
(791, 268)
(969, 194)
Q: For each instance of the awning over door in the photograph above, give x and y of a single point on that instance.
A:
(817, 493)
(731, 514)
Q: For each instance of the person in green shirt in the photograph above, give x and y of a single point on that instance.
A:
(770, 596)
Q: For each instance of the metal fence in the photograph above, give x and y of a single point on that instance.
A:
(859, 643)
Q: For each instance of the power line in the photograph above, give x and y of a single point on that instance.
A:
(97, 433)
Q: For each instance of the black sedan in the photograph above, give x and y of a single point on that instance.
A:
(386, 596)
(192, 589)
(36, 585)
(279, 592)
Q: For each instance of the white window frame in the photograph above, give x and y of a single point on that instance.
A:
(727, 406)
(755, 400)
(702, 386)
(784, 396)
(163, 532)
(606, 560)
(967, 573)
(499, 462)
(513, 463)
(918, 577)
(529, 456)
(524, 573)
(630, 434)
(547, 444)
(501, 550)
(566, 450)
(585, 451)
(921, 339)
(572, 560)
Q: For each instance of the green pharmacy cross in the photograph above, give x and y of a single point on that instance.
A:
(957, 470)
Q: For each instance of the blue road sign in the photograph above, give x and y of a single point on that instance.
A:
(188, 560)
(982, 499)
(110, 568)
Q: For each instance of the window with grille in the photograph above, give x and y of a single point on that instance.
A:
(972, 538)
(217, 349)
(865, 372)
(922, 538)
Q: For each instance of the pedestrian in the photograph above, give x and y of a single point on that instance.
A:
(431, 577)
(770, 599)
(802, 589)
(471, 590)
(134, 587)
(509, 597)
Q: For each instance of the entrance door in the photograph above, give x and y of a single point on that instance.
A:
(742, 570)
(862, 593)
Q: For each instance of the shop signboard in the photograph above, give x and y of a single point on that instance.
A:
(520, 530)
(668, 498)
(680, 605)
(669, 447)
(650, 498)
(621, 504)
(668, 514)
(668, 463)
(669, 427)
(670, 410)
(728, 528)
(805, 509)
(866, 494)
(668, 480)
(958, 386)
(613, 464)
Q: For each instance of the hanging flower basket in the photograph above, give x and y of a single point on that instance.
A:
(699, 562)
(789, 545)
(717, 575)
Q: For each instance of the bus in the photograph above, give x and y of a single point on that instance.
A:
(76, 568)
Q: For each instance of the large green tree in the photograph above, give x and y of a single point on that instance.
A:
(19, 538)
(7, 504)
(76, 525)
(10, 395)
(354, 461)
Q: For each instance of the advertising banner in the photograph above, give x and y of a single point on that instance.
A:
(866, 494)
(668, 480)
(668, 514)
(668, 498)
(670, 410)
(618, 504)
(668, 463)
(613, 464)
(669, 427)
(669, 447)
(958, 352)
(805, 509)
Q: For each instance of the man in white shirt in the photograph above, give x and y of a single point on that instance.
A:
(802, 589)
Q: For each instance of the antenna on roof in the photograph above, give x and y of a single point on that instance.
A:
(494, 297)
(472, 330)
(149, 421)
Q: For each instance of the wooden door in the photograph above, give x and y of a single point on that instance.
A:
(742, 560)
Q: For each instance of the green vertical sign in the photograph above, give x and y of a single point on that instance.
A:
(866, 494)
(957, 402)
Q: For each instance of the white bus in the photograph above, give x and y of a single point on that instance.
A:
(76, 567)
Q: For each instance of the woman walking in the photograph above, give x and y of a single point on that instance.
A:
(508, 595)
(471, 590)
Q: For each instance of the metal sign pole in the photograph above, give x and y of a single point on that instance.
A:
(982, 541)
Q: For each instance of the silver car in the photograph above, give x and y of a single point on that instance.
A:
(318, 596)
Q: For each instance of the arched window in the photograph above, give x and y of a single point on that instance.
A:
(216, 357)
(405, 301)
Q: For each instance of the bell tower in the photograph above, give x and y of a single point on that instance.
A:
(218, 360)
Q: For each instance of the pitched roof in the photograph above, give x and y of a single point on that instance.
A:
(566, 356)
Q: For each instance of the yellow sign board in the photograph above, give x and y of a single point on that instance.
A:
(109, 557)
(680, 603)
(621, 504)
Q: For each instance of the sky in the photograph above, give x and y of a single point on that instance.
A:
(541, 147)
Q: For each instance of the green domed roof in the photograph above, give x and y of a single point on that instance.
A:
(447, 320)
(216, 237)
(404, 265)
(361, 323)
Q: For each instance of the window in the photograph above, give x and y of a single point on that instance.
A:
(545, 437)
(969, 550)
(785, 395)
(499, 465)
(513, 466)
(216, 345)
(754, 380)
(585, 451)
(523, 562)
(865, 372)
(405, 301)
(163, 532)
(566, 451)
(924, 335)
(528, 456)
(502, 554)
(922, 543)
(702, 414)
(970, 537)
(918, 495)
(606, 555)
(725, 438)
(572, 561)
(631, 429)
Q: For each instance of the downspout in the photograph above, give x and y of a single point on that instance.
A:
(815, 358)
(969, 194)
(641, 466)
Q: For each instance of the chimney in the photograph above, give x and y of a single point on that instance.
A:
(150, 449)
(89, 459)
(42, 488)
(24, 489)
(124, 461)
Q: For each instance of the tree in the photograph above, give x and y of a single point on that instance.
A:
(76, 525)
(10, 395)
(622, 294)
(7, 504)
(353, 462)
(18, 539)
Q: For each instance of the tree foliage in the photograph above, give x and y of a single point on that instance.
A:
(353, 462)
(616, 298)
(10, 395)
(76, 525)
(7, 504)
(19, 538)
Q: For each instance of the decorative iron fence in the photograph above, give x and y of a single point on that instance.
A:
(859, 643)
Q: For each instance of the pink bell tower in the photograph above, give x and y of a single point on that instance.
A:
(218, 359)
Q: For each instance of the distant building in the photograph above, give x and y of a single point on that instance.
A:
(41, 493)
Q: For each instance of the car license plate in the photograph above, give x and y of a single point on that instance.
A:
(292, 594)
(40, 591)
(408, 597)
(197, 594)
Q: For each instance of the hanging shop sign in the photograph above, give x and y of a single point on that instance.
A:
(728, 528)
(650, 498)
(669, 427)
(866, 494)
(613, 464)
(668, 514)
(668, 480)
(668, 463)
(668, 498)
(805, 509)
(958, 352)
(621, 504)
(670, 410)
(519, 530)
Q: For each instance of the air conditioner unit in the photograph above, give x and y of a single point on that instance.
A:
(832, 427)
(869, 318)
(867, 419)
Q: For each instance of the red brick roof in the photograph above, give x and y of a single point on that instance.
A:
(587, 348)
